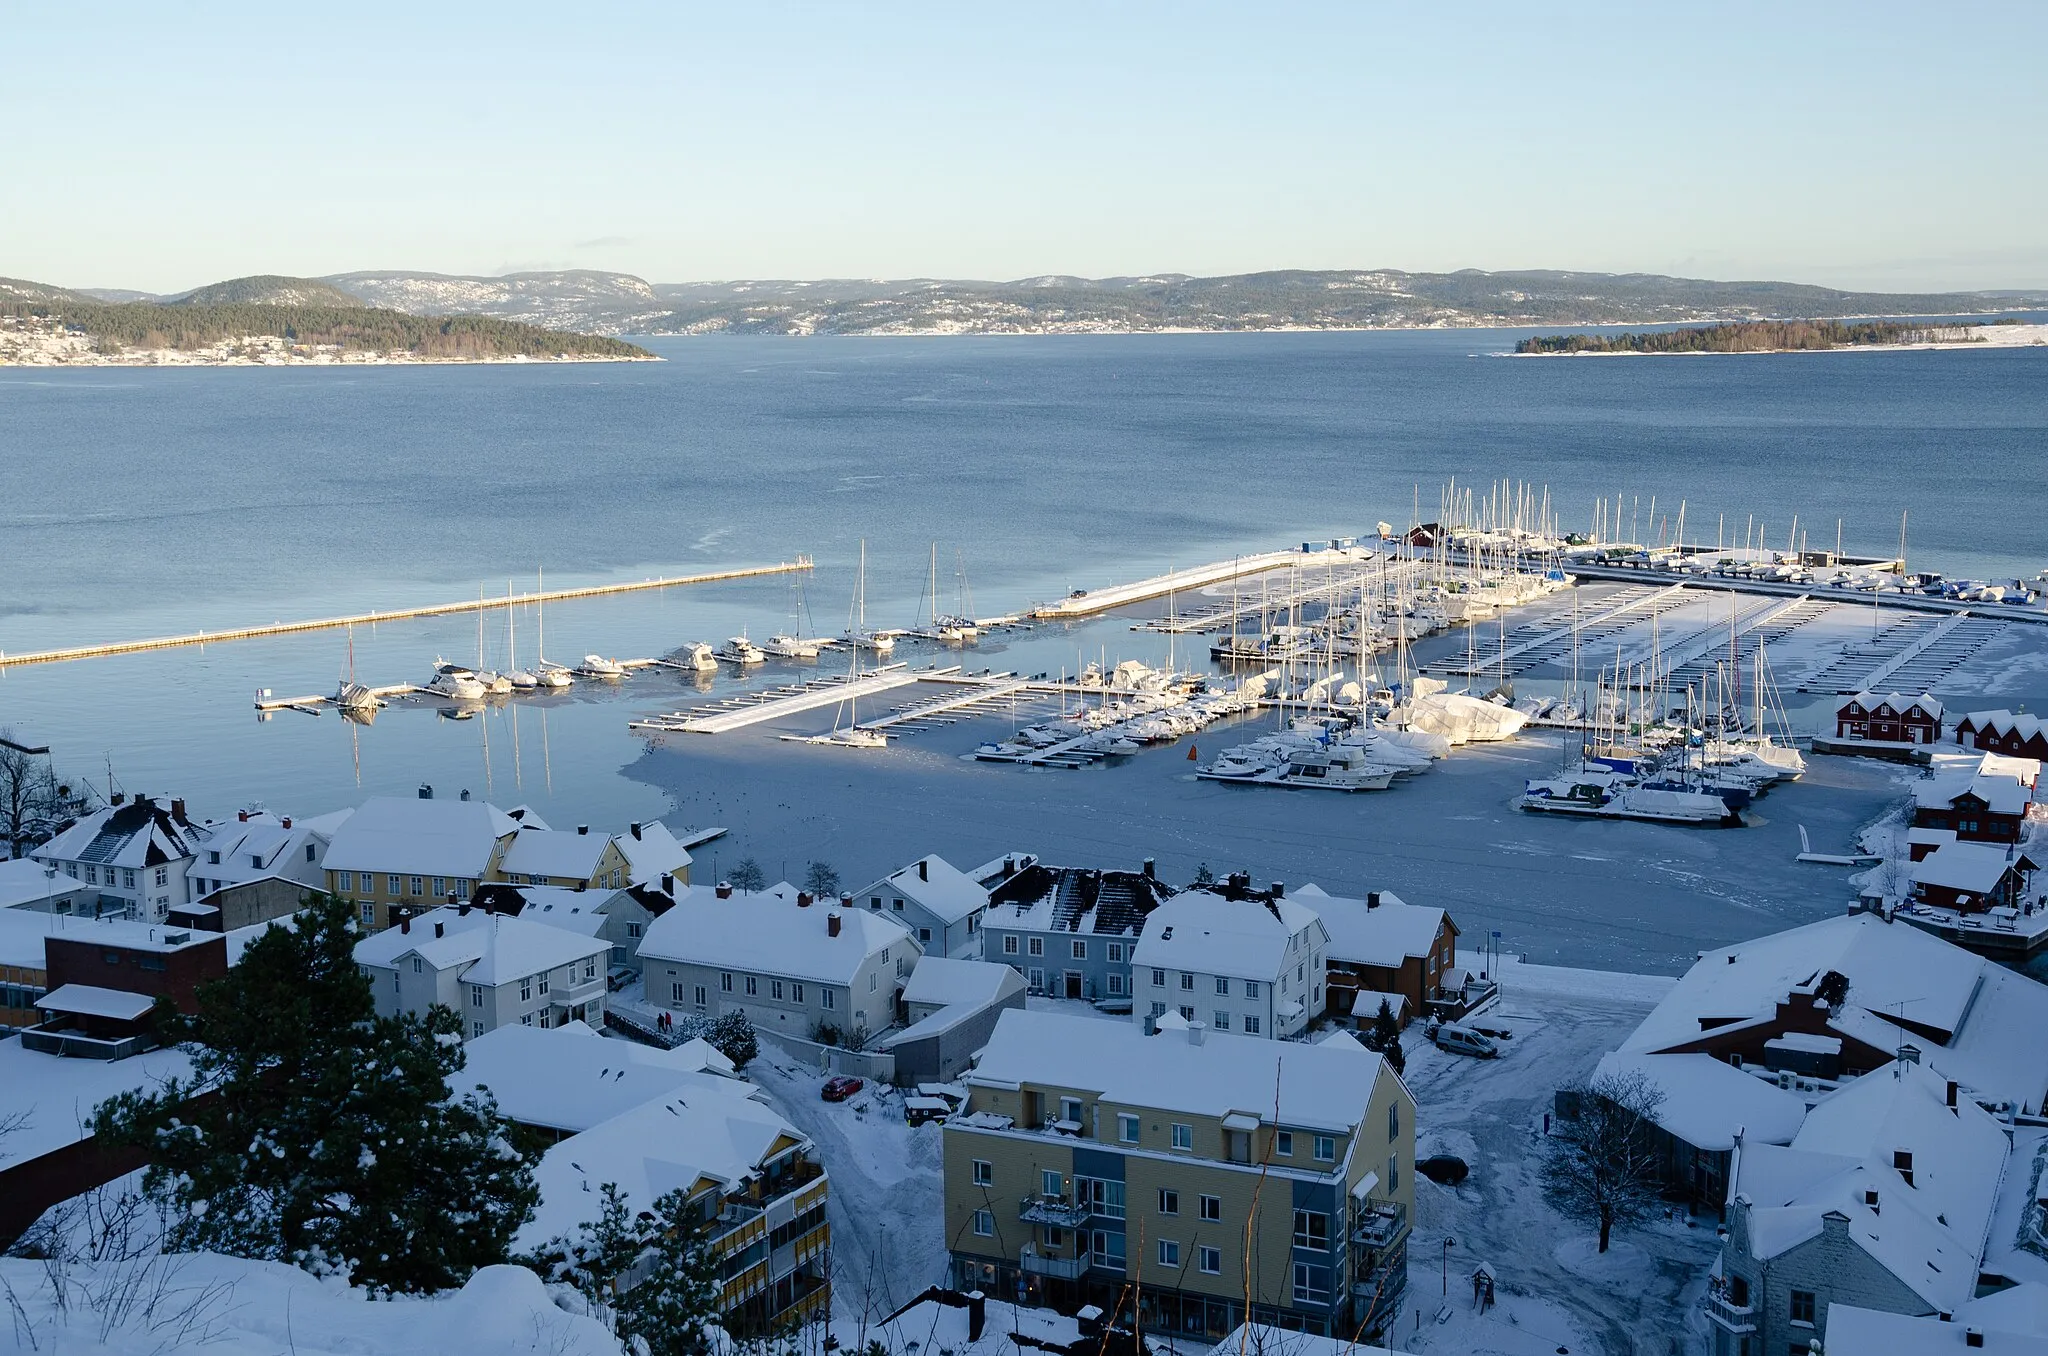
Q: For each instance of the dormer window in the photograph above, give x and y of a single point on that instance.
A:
(213, 859)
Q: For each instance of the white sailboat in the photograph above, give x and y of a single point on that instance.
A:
(350, 695)
(953, 629)
(546, 674)
(858, 635)
(523, 680)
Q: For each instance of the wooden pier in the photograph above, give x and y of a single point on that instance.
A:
(399, 614)
(754, 708)
(1090, 602)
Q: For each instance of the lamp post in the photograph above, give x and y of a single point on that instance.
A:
(1449, 1243)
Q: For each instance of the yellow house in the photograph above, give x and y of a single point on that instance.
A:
(411, 855)
(1196, 1179)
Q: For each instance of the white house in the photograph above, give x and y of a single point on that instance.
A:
(941, 905)
(44, 887)
(568, 1079)
(652, 852)
(490, 969)
(135, 852)
(1242, 960)
(793, 964)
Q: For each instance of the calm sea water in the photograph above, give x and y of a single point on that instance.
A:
(144, 502)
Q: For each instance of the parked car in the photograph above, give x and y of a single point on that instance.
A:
(840, 1088)
(618, 977)
(918, 1110)
(1464, 1041)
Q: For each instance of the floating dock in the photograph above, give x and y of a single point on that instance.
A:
(399, 614)
(755, 708)
(1091, 602)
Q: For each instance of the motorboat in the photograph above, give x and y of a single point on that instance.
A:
(599, 667)
(791, 647)
(739, 650)
(1334, 769)
(453, 680)
(553, 676)
(698, 657)
(876, 641)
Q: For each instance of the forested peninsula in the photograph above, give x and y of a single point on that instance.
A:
(1756, 336)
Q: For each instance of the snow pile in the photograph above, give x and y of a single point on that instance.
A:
(232, 1307)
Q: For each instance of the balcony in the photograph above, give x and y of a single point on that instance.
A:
(1056, 1211)
(1056, 1268)
(1379, 1223)
(72, 1044)
(1736, 1318)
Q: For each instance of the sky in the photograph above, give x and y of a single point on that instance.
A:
(1865, 145)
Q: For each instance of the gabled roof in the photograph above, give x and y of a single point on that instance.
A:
(1040, 898)
(483, 948)
(1211, 934)
(556, 905)
(1974, 867)
(545, 852)
(1706, 1101)
(1384, 935)
(24, 881)
(941, 981)
(1870, 701)
(941, 889)
(651, 851)
(1321, 1087)
(768, 932)
(571, 1078)
(420, 837)
(146, 831)
(263, 846)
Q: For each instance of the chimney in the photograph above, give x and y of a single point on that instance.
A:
(668, 883)
(583, 830)
(846, 901)
(440, 928)
(1009, 866)
(832, 923)
(1151, 869)
(287, 821)
(462, 909)
(1951, 1094)
(1909, 1054)
(178, 808)
(803, 900)
(1870, 1199)
(723, 891)
(426, 791)
(1372, 899)
(977, 1315)
(634, 828)
(923, 871)
(1195, 1030)
(241, 816)
(465, 793)
(405, 922)
(1279, 889)
(119, 797)
(451, 899)
(1973, 1337)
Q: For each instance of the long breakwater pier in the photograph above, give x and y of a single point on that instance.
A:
(486, 603)
(1091, 602)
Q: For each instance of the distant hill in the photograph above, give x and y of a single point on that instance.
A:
(578, 299)
(17, 289)
(268, 289)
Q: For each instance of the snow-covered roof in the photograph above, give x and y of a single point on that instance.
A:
(769, 933)
(1706, 1100)
(1366, 1005)
(704, 1133)
(26, 882)
(133, 935)
(483, 948)
(1976, 867)
(146, 831)
(260, 845)
(996, 870)
(1323, 1087)
(571, 1078)
(1260, 1340)
(944, 891)
(1384, 935)
(651, 852)
(57, 1096)
(544, 852)
(21, 936)
(1870, 701)
(1077, 899)
(1208, 933)
(2001, 795)
(927, 1325)
(1929, 1233)
(2011, 1322)
(90, 1000)
(941, 981)
(559, 906)
(420, 837)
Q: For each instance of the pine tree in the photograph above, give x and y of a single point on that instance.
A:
(600, 1255)
(732, 1035)
(668, 1313)
(329, 1140)
(1204, 876)
(1384, 1038)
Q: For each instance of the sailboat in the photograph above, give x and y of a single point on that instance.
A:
(494, 684)
(858, 635)
(522, 679)
(350, 695)
(846, 728)
(953, 629)
(544, 673)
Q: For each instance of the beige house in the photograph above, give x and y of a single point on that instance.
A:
(1094, 1164)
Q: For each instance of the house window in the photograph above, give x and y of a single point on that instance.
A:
(1080, 948)
(526, 1019)
(1251, 1025)
(1251, 988)
(634, 929)
(1212, 1209)
(874, 901)
(163, 875)
(417, 966)
(984, 1172)
(753, 986)
(871, 981)
(1184, 1137)
(796, 992)
(1037, 946)
(725, 983)
(476, 995)
(416, 884)
(1210, 1260)
(924, 936)
(1109, 1250)
(984, 1224)
(675, 991)
(1283, 1143)
(1158, 1010)
(1222, 1020)
(1169, 1253)
(543, 981)
(1326, 1149)
(1127, 1128)
(369, 913)
(1394, 1121)
(828, 999)
(526, 990)
(1222, 986)
(590, 967)
(1312, 1230)
(392, 881)
(775, 990)
(1311, 1284)
(476, 1028)
(699, 997)
(462, 889)
(213, 859)
(128, 880)
(1037, 978)
(345, 879)
(309, 852)
(1393, 1172)
(1116, 952)
(1802, 1307)
(1187, 1013)
(1169, 1201)
(1050, 1182)
(1187, 980)
(1010, 944)
(1158, 979)
(440, 886)
(1116, 986)
(899, 906)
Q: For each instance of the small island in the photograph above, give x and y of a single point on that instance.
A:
(1780, 336)
(269, 322)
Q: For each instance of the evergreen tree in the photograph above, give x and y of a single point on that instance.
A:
(1384, 1038)
(603, 1251)
(317, 1133)
(1204, 876)
(668, 1313)
(747, 876)
(732, 1035)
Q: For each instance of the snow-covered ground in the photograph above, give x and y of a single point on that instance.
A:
(229, 1307)
(1555, 1291)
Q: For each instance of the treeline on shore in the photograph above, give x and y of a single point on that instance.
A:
(118, 326)
(1752, 336)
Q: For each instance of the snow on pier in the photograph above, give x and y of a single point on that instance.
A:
(1089, 602)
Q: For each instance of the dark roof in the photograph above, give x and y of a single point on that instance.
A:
(651, 899)
(1110, 903)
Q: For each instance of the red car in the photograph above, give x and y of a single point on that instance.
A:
(839, 1089)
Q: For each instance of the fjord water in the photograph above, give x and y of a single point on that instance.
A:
(139, 502)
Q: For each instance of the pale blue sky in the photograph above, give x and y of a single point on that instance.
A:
(1859, 145)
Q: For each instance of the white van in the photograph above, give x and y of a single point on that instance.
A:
(1462, 1041)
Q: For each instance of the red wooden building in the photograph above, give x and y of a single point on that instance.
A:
(2017, 736)
(1890, 719)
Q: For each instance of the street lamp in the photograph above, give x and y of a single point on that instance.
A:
(1449, 1243)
